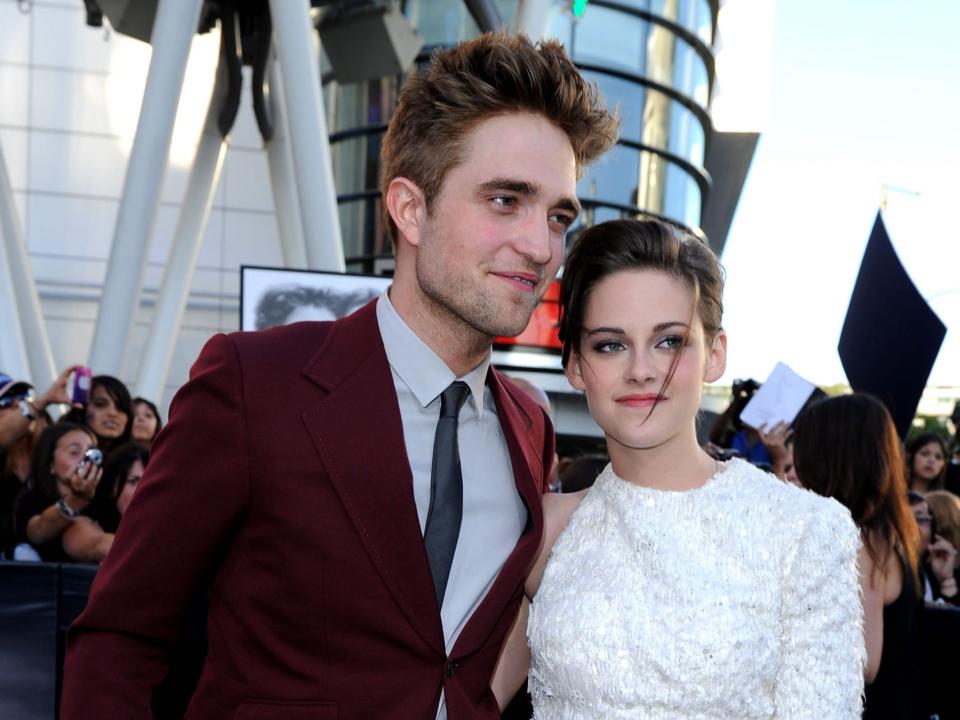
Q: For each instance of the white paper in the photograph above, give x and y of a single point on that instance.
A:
(779, 399)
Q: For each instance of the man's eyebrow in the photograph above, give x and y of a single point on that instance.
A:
(522, 187)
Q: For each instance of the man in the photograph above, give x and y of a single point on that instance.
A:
(305, 477)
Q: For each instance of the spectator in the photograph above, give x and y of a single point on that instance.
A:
(19, 407)
(22, 418)
(146, 422)
(847, 448)
(61, 486)
(109, 413)
(941, 557)
(90, 537)
(926, 462)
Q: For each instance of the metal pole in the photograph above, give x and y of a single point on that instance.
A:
(283, 181)
(533, 18)
(293, 32)
(184, 250)
(28, 354)
(173, 29)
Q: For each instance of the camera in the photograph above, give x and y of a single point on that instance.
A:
(93, 456)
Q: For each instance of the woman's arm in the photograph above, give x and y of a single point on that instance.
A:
(85, 541)
(822, 642)
(514, 661)
(76, 492)
(872, 590)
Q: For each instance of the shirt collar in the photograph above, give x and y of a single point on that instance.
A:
(420, 368)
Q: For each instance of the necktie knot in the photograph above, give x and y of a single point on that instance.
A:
(452, 399)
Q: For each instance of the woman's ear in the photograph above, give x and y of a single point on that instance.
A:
(574, 370)
(716, 357)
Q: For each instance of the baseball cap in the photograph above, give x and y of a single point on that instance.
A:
(9, 386)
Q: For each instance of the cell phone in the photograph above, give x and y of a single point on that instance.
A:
(82, 380)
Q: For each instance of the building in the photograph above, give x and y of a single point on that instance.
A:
(73, 93)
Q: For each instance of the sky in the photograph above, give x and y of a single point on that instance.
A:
(862, 93)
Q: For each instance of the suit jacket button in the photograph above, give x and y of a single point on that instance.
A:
(452, 668)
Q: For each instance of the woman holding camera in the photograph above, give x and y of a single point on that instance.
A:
(63, 481)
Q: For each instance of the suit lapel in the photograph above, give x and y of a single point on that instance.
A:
(526, 459)
(358, 434)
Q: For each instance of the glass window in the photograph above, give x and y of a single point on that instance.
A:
(639, 107)
(621, 41)
(441, 22)
(693, 15)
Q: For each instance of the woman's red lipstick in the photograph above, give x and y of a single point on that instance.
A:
(639, 401)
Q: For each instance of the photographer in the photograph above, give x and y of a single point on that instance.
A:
(62, 484)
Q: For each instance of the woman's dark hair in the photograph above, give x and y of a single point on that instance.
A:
(120, 395)
(847, 448)
(116, 467)
(913, 447)
(153, 408)
(41, 473)
(645, 244)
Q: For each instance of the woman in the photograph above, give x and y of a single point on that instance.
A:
(146, 421)
(939, 557)
(90, 538)
(926, 462)
(847, 448)
(677, 586)
(61, 487)
(109, 413)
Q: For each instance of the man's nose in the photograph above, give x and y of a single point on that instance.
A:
(534, 240)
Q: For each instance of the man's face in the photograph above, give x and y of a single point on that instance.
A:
(494, 239)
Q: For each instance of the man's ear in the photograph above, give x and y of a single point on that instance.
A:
(408, 208)
(716, 358)
(574, 371)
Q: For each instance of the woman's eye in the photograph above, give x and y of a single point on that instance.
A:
(671, 342)
(609, 346)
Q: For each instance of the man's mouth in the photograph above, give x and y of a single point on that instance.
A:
(523, 281)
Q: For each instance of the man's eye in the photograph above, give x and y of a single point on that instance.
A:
(504, 201)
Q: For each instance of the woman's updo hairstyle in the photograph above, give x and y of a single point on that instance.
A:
(642, 244)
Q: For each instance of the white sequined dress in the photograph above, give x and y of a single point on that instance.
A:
(738, 599)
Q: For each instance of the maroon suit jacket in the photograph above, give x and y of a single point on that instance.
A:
(281, 484)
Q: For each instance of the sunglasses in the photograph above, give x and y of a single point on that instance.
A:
(12, 400)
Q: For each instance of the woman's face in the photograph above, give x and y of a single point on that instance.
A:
(144, 423)
(129, 487)
(928, 461)
(921, 511)
(633, 329)
(103, 415)
(68, 452)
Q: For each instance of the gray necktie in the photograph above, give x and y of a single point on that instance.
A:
(446, 490)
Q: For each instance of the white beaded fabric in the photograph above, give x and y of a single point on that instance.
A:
(738, 599)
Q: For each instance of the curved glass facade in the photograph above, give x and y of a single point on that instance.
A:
(650, 58)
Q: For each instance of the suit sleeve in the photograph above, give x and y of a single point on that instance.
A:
(823, 653)
(191, 499)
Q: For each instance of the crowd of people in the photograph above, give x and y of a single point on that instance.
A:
(65, 483)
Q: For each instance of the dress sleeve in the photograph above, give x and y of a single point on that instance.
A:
(823, 652)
